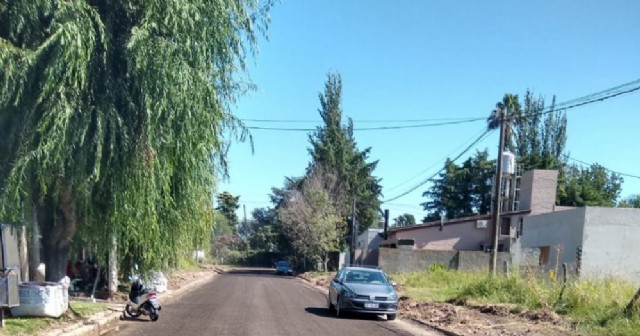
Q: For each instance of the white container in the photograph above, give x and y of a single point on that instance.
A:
(46, 299)
(508, 163)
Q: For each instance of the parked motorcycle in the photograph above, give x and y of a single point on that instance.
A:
(142, 301)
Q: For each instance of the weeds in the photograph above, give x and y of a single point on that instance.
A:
(596, 307)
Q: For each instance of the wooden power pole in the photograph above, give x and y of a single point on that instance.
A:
(495, 212)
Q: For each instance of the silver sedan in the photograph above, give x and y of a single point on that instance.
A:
(362, 290)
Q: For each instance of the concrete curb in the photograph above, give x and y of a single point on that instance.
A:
(435, 327)
(102, 323)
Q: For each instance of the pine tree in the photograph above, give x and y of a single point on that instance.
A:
(333, 145)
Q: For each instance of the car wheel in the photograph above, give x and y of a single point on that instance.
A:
(329, 305)
(391, 317)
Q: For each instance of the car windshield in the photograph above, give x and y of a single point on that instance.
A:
(283, 264)
(366, 277)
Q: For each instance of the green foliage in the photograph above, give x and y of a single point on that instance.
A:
(404, 220)
(126, 106)
(19, 326)
(227, 206)
(333, 145)
(461, 191)
(595, 306)
(310, 217)
(592, 186)
(630, 202)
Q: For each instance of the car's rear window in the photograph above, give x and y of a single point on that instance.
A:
(283, 264)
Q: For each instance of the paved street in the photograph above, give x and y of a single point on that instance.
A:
(256, 302)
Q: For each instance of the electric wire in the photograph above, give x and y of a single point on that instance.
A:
(464, 121)
(603, 95)
(437, 162)
(484, 135)
(356, 121)
(605, 168)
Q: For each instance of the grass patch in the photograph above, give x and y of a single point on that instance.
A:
(595, 306)
(20, 326)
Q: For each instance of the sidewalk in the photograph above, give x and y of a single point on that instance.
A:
(104, 322)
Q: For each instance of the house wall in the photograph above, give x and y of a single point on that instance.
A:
(401, 261)
(538, 191)
(367, 246)
(559, 233)
(460, 236)
(611, 243)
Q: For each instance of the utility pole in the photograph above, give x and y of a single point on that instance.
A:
(353, 232)
(495, 212)
(244, 209)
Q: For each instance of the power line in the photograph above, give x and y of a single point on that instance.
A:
(564, 106)
(609, 170)
(589, 99)
(357, 121)
(600, 93)
(437, 162)
(478, 140)
(371, 128)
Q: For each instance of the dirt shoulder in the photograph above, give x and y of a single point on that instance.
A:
(474, 319)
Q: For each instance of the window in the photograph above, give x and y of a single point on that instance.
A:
(520, 227)
(505, 226)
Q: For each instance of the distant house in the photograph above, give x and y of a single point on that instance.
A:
(535, 194)
(592, 241)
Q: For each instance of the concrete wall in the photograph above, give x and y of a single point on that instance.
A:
(559, 232)
(611, 243)
(459, 236)
(401, 261)
(538, 191)
(367, 246)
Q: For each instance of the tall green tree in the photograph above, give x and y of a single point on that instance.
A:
(333, 145)
(227, 206)
(461, 191)
(310, 216)
(404, 220)
(116, 117)
(591, 186)
(536, 133)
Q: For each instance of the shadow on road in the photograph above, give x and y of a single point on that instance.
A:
(258, 273)
(124, 317)
(324, 312)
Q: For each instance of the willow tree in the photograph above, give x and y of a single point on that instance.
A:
(115, 117)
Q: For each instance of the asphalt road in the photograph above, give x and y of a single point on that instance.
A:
(259, 303)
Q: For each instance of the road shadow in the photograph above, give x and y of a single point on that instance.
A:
(324, 312)
(258, 273)
(142, 318)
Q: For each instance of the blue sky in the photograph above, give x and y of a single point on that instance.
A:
(436, 59)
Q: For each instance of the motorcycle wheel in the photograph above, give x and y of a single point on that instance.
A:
(153, 315)
(131, 312)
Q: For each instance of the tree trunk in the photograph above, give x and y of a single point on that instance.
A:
(23, 253)
(113, 266)
(58, 223)
(34, 245)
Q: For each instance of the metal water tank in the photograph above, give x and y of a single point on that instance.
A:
(508, 163)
